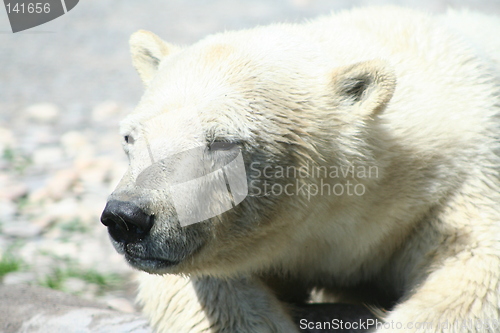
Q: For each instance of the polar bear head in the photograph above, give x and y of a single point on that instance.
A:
(217, 140)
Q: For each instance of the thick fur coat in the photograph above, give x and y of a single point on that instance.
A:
(406, 102)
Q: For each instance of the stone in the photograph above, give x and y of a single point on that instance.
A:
(39, 135)
(64, 210)
(61, 249)
(74, 285)
(19, 278)
(48, 156)
(21, 229)
(97, 173)
(41, 310)
(7, 139)
(121, 304)
(75, 144)
(13, 191)
(104, 111)
(42, 221)
(61, 183)
(7, 210)
(43, 112)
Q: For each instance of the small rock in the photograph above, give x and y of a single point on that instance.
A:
(7, 139)
(42, 221)
(37, 136)
(60, 183)
(91, 290)
(43, 112)
(76, 144)
(97, 173)
(39, 195)
(93, 177)
(121, 304)
(37, 259)
(302, 3)
(27, 252)
(21, 229)
(111, 144)
(7, 210)
(74, 140)
(4, 243)
(105, 110)
(4, 179)
(65, 209)
(60, 249)
(19, 278)
(83, 163)
(13, 191)
(74, 285)
(44, 157)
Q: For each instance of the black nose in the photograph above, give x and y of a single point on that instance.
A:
(126, 222)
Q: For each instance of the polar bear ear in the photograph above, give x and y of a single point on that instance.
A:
(367, 86)
(147, 51)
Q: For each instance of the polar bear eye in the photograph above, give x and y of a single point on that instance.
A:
(220, 145)
(128, 139)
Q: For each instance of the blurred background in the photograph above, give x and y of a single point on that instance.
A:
(64, 86)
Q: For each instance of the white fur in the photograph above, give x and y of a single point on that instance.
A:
(428, 226)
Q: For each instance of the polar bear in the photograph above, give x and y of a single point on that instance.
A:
(369, 141)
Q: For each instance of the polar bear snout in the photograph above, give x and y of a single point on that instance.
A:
(126, 222)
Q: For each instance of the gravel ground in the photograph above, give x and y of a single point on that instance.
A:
(64, 86)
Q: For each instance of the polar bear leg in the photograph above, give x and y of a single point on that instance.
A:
(461, 291)
(171, 304)
(179, 304)
(461, 296)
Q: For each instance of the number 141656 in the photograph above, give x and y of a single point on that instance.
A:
(30, 8)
